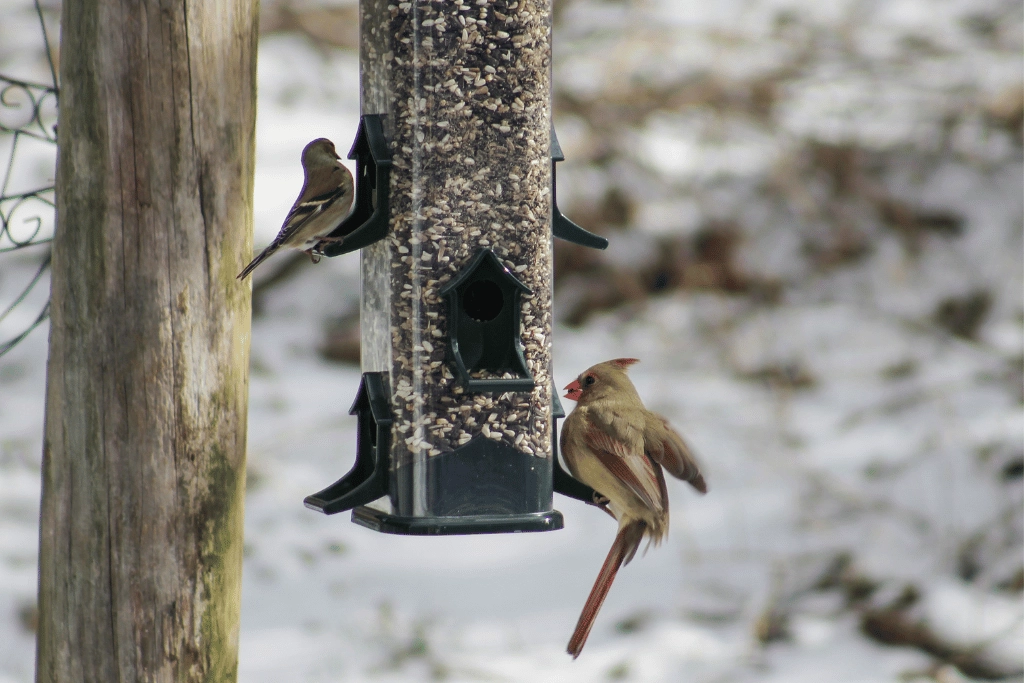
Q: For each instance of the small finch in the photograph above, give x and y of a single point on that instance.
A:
(324, 202)
(617, 447)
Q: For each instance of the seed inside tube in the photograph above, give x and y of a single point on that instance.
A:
(450, 197)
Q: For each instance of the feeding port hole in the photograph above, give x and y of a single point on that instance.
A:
(483, 301)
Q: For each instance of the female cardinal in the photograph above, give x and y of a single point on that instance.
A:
(617, 447)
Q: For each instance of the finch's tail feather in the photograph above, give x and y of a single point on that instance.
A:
(264, 255)
(625, 545)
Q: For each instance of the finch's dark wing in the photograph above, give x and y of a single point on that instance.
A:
(312, 201)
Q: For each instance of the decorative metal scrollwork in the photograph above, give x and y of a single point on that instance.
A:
(28, 115)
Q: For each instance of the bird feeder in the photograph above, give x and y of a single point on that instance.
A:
(454, 217)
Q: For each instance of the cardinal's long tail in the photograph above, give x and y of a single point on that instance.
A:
(623, 548)
(266, 253)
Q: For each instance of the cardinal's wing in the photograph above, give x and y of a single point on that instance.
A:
(667, 447)
(618, 444)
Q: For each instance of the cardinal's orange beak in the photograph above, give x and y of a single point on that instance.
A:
(574, 390)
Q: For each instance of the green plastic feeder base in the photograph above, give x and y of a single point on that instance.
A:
(467, 524)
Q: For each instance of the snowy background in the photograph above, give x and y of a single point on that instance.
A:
(815, 214)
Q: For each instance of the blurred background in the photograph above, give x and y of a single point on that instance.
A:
(815, 213)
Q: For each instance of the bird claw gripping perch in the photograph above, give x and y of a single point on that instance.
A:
(316, 252)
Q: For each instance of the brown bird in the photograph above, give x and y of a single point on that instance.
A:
(614, 445)
(324, 202)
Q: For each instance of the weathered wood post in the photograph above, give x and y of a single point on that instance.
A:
(144, 452)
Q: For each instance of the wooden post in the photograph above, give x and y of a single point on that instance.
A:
(144, 453)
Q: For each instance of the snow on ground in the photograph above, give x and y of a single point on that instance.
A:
(849, 442)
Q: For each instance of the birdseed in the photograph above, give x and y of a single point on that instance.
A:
(465, 89)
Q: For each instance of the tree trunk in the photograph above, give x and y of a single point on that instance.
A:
(144, 453)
